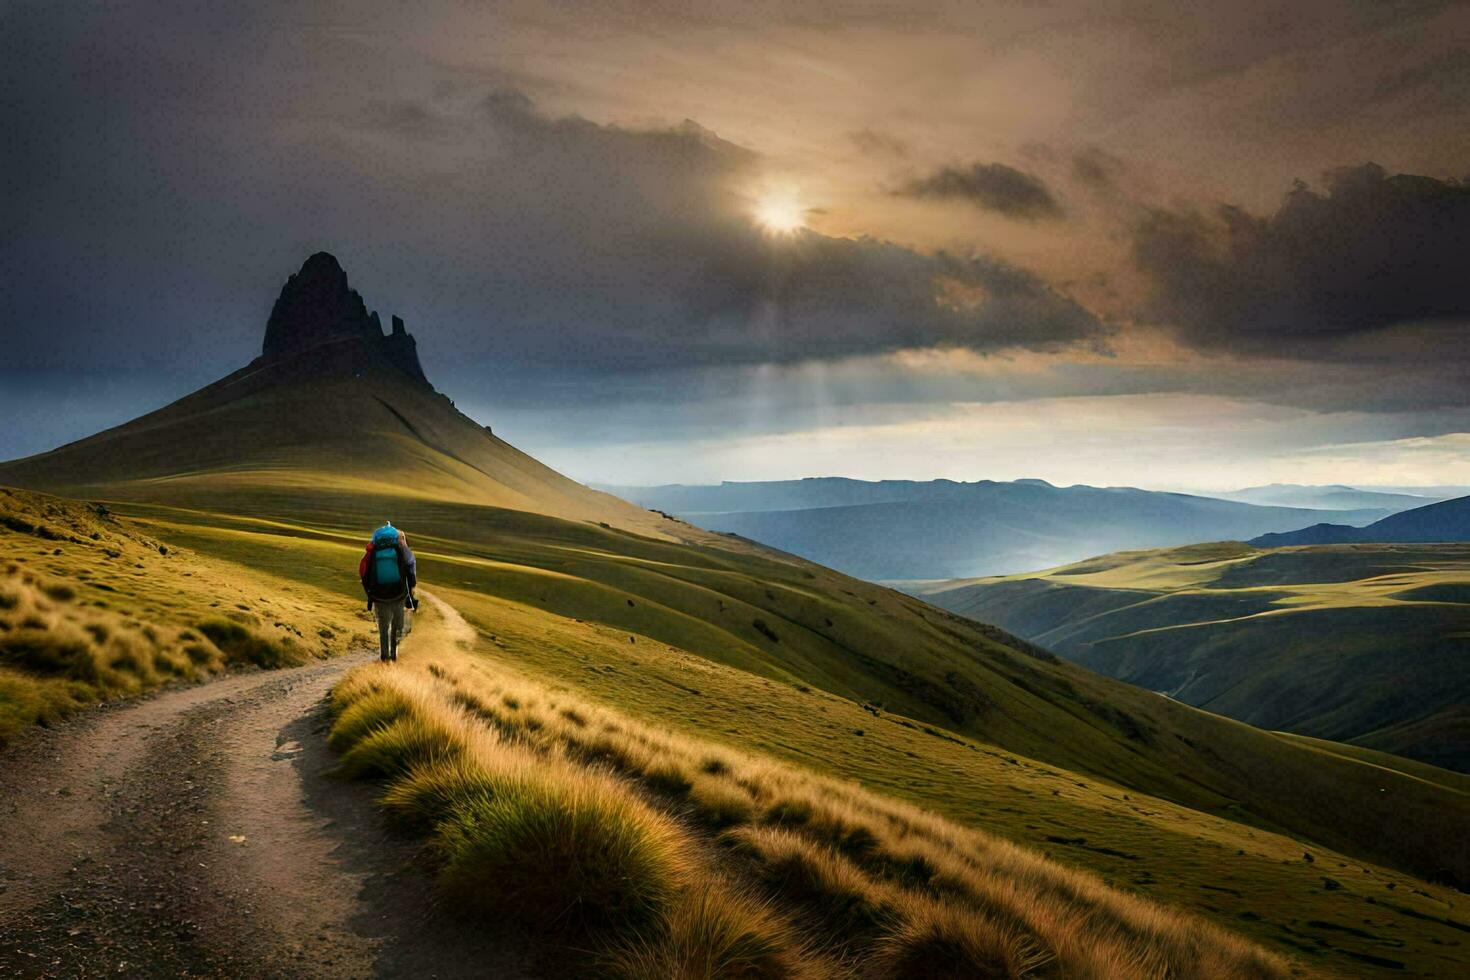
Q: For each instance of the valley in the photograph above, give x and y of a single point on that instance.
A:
(893, 530)
(1361, 643)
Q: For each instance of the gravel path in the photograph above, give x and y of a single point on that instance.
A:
(200, 833)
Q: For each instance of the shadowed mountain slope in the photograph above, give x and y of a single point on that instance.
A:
(284, 466)
(1448, 520)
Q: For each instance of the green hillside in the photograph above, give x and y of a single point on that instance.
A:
(279, 472)
(617, 619)
(1362, 643)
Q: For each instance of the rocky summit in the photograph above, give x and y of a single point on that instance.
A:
(318, 313)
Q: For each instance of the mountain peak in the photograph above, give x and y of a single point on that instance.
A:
(317, 307)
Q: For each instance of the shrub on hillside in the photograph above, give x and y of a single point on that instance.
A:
(566, 855)
(564, 815)
(714, 933)
(240, 645)
(937, 941)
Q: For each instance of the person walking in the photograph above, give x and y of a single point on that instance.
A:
(388, 573)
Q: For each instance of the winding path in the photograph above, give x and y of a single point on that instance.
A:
(198, 832)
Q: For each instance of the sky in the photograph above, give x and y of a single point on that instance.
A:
(1168, 245)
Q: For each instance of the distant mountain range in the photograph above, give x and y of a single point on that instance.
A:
(904, 529)
(1335, 497)
(1447, 520)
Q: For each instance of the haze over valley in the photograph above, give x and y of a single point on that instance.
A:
(903, 529)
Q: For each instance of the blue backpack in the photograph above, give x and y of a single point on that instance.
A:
(386, 572)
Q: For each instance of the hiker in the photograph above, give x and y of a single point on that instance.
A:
(388, 574)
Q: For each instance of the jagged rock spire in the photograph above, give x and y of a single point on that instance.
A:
(317, 307)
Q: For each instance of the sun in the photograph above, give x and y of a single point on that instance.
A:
(780, 214)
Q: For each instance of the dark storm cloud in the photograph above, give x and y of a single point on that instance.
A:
(166, 204)
(1367, 252)
(687, 278)
(992, 186)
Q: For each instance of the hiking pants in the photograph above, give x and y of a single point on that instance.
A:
(390, 627)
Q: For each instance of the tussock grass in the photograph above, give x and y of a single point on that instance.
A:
(517, 835)
(397, 747)
(428, 793)
(63, 648)
(574, 854)
(934, 940)
(832, 890)
(244, 646)
(718, 934)
(58, 654)
(719, 802)
(680, 858)
(374, 710)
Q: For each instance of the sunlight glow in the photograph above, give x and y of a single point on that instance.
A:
(780, 214)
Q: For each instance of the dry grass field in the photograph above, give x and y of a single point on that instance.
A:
(673, 856)
(92, 608)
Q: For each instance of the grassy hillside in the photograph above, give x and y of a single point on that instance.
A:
(1356, 643)
(92, 608)
(305, 423)
(666, 632)
(691, 858)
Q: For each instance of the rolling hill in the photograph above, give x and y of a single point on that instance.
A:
(281, 468)
(898, 529)
(1363, 644)
(1448, 520)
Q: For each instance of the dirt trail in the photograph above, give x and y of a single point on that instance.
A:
(199, 833)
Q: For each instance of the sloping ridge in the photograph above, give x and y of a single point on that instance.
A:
(346, 412)
(1448, 520)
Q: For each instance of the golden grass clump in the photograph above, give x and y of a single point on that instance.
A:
(716, 933)
(719, 802)
(818, 881)
(691, 859)
(564, 852)
(59, 653)
(517, 836)
(427, 794)
(935, 940)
